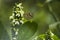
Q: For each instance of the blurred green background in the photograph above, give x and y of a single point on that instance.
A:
(42, 18)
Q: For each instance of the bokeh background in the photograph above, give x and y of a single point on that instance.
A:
(42, 17)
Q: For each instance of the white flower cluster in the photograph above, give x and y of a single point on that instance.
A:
(17, 15)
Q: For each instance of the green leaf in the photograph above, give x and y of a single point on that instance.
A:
(55, 37)
(3, 33)
(27, 30)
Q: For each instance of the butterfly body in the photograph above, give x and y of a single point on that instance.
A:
(28, 16)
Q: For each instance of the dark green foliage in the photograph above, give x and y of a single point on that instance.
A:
(3, 33)
(27, 30)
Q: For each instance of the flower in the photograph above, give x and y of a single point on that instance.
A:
(19, 4)
(22, 12)
(21, 21)
(18, 15)
(14, 38)
(13, 21)
(16, 33)
(16, 22)
(13, 14)
(11, 17)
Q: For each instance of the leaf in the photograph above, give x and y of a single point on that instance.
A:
(55, 37)
(3, 33)
(27, 30)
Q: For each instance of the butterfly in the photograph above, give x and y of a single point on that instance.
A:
(28, 16)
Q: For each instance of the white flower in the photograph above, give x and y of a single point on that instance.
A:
(15, 11)
(18, 5)
(22, 12)
(18, 14)
(21, 7)
(11, 17)
(16, 33)
(16, 22)
(21, 22)
(14, 38)
(13, 14)
(13, 21)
